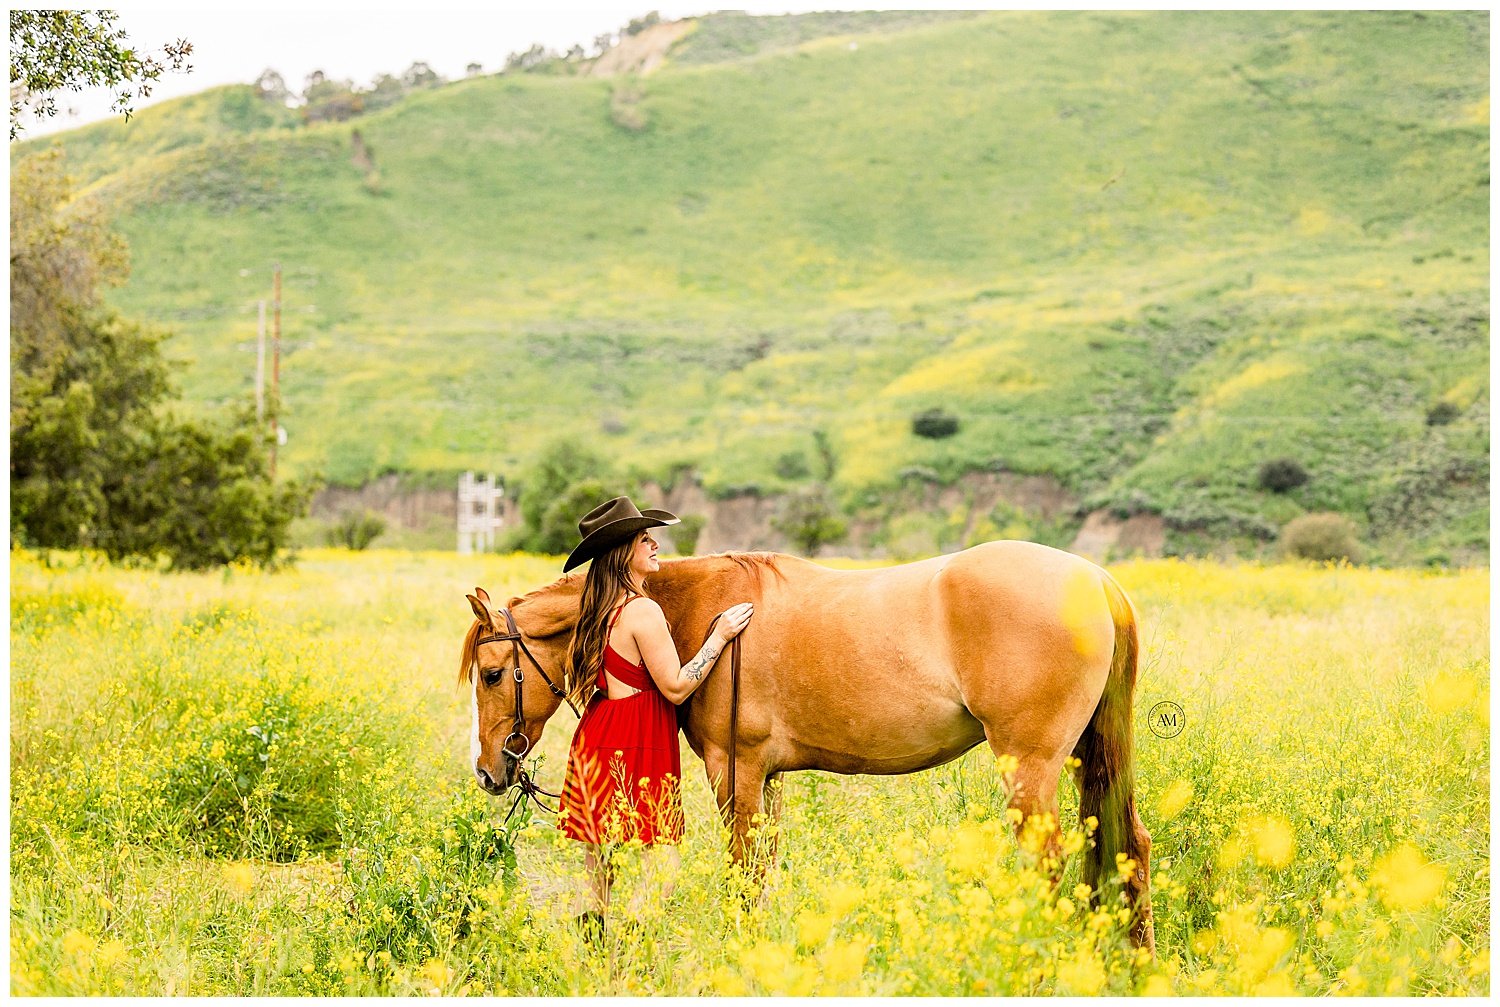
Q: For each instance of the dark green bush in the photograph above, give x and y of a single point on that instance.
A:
(934, 424)
(1281, 474)
(793, 465)
(356, 530)
(810, 519)
(1321, 538)
(1442, 413)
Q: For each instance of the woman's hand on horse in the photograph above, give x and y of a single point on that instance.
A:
(733, 621)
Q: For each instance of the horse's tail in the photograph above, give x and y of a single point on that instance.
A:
(1106, 778)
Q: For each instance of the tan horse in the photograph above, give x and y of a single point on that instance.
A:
(881, 671)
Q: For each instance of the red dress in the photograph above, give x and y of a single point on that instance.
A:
(624, 771)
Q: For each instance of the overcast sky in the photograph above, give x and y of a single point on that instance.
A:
(234, 43)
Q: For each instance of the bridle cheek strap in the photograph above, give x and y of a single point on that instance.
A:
(528, 786)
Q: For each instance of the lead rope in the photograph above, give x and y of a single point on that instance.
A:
(734, 711)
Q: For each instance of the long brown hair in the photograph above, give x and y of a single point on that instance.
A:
(609, 574)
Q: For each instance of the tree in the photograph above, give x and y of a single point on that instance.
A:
(97, 457)
(566, 481)
(809, 518)
(200, 493)
(530, 59)
(61, 253)
(53, 50)
(271, 86)
(384, 90)
(419, 74)
(640, 24)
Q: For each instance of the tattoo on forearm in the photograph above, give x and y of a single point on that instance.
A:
(698, 666)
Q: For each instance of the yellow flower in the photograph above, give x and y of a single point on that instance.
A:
(843, 898)
(1174, 800)
(771, 964)
(436, 972)
(1081, 975)
(77, 943)
(109, 953)
(1157, 986)
(843, 961)
(1274, 843)
(1231, 853)
(727, 982)
(1444, 692)
(813, 928)
(1406, 879)
(239, 876)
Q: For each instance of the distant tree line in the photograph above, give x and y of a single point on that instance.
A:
(329, 99)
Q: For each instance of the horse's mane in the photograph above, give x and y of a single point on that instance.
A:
(550, 615)
(469, 656)
(756, 563)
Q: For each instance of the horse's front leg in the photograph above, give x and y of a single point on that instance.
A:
(743, 811)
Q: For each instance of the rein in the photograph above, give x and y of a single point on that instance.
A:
(734, 710)
(528, 786)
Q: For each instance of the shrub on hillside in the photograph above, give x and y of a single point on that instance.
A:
(545, 525)
(793, 465)
(559, 530)
(934, 424)
(1281, 474)
(1321, 538)
(810, 519)
(356, 530)
(1442, 413)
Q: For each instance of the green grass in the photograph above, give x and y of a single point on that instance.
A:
(1141, 253)
(254, 783)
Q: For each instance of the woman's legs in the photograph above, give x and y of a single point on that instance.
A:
(593, 897)
(662, 863)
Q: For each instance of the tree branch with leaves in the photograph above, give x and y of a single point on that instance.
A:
(56, 50)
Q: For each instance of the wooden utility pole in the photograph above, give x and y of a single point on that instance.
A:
(260, 365)
(275, 366)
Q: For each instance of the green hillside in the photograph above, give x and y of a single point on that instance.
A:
(1143, 253)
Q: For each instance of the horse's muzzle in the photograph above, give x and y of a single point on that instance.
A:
(490, 785)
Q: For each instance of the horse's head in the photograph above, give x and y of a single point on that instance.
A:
(498, 668)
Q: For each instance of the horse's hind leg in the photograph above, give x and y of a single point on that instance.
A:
(1034, 795)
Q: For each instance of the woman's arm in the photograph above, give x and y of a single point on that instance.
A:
(654, 640)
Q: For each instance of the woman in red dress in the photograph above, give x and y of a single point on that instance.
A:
(624, 770)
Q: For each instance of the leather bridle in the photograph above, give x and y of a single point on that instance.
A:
(529, 787)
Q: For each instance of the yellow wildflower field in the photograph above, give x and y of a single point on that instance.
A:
(257, 783)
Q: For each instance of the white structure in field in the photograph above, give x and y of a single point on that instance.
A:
(481, 512)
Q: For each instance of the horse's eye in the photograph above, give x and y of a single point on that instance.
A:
(492, 676)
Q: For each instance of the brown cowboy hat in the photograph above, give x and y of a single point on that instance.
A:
(609, 524)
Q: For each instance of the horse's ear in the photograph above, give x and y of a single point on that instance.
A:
(481, 611)
(484, 595)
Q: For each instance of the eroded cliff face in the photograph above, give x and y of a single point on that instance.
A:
(744, 521)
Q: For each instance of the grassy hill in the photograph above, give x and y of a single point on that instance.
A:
(1143, 253)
